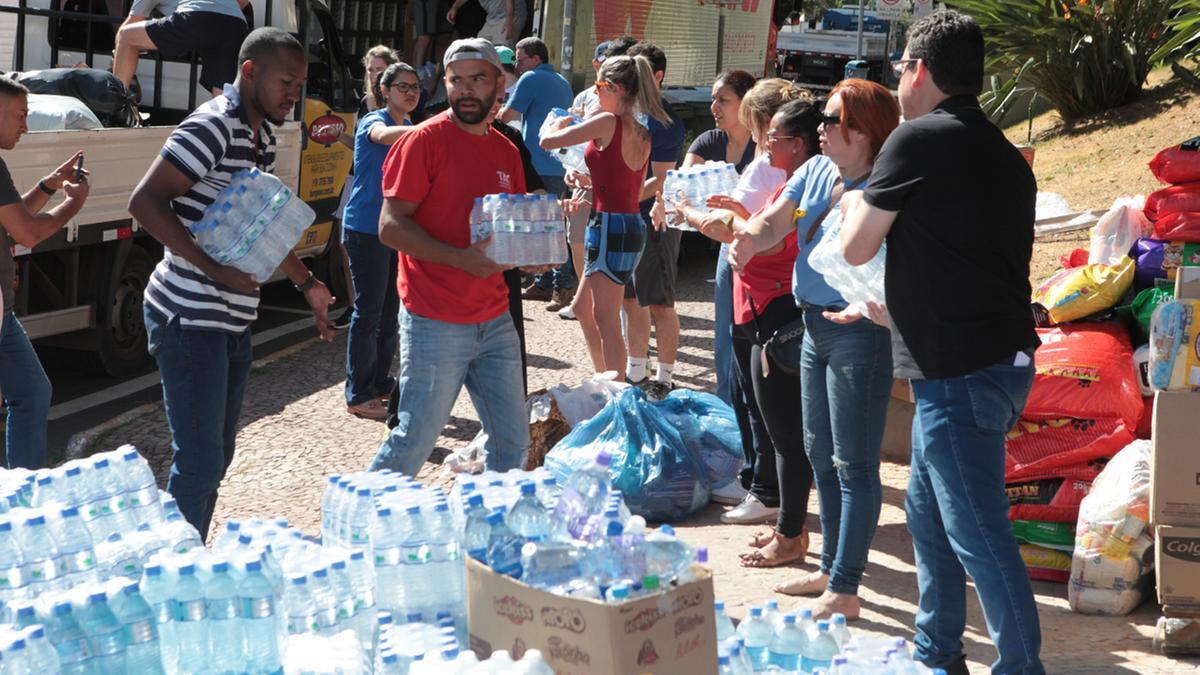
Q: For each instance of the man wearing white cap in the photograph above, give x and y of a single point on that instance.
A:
(454, 323)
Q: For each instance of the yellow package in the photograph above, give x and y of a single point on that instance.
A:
(1085, 290)
(1045, 558)
(1175, 346)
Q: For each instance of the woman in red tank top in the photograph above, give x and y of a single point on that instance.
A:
(618, 148)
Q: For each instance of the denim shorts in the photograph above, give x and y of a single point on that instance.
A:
(614, 243)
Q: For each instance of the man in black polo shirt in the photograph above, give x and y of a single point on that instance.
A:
(955, 202)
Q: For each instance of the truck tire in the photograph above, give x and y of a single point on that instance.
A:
(120, 330)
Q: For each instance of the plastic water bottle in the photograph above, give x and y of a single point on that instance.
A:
(414, 556)
(327, 605)
(387, 560)
(605, 560)
(75, 547)
(446, 562)
(838, 629)
(666, 555)
(362, 582)
(772, 614)
(12, 563)
(480, 225)
(585, 494)
(328, 504)
(261, 625)
(190, 629)
(819, 648)
(42, 562)
(504, 546)
(528, 518)
(221, 608)
(229, 535)
(787, 645)
(42, 657)
(115, 504)
(139, 628)
(549, 564)
(116, 559)
(69, 640)
(180, 535)
(15, 657)
(360, 519)
(140, 487)
(103, 630)
(301, 607)
(156, 591)
(757, 634)
(476, 531)
(725, 627)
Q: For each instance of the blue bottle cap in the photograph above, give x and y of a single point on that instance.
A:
(475, 500)
(35, 520)
(806, 614)
(339, 564)
(37, 632)
(441, 507)
(62, 608)
(70, 512)
(719, 605)
(25, 610)
(115, 536)
(102, 463)
(772, 605)
(756, 611)
(823, 626)
(384, 618)
(614, 529)
(233, 525)
(220, 567)
(321, 572)
(789, 619)
(838, 619)
(153, 570)
(187, 570)
(383, 512)
(334, 479)
(254, 566)
(130, 587)
(96, 598)
(357, 555)
(73, 471)
(245, 539)
(413, 510)
(412, 617)
(299, 580)
(364, 492)
(495, 517)
(5, 526)
(528, 488)
(45, 480)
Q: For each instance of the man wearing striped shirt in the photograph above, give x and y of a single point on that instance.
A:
(198, 312)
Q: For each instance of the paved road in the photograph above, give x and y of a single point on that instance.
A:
(295, 432)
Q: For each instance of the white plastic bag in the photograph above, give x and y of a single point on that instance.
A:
(50, 112)
(1118, 230)
(578, 404)
(859, 284)
(471, 458)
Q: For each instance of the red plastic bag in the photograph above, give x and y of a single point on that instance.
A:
(1052, 500)
(1143, 427)
(1181, 226)
(1176, 164)
(1173, 199)
(1037, 449)
(1076, 258)
(1083, 371)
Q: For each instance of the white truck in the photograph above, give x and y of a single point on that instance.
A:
(817, 56)
(82, 287)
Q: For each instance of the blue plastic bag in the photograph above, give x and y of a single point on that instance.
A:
(667, 455)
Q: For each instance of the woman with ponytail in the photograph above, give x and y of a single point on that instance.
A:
(618, 149)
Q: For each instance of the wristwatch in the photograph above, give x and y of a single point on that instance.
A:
(308, 283)
(46, 188)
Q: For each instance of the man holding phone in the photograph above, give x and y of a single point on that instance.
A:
(26, 389)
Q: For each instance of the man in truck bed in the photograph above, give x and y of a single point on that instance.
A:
(23, 383)
(198, 312)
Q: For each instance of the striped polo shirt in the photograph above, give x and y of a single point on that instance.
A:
(213, 143)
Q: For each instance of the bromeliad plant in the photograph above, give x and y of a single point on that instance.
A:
(1083, 56)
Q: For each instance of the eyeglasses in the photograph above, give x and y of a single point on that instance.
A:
(405, 88)
(831, 120)
(771, 138)
(900, 65)
(602, 85)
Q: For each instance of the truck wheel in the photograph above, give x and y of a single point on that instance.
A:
(120, 331)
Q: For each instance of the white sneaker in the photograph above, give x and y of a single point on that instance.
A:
(749, 512)
(732, 493)
(566, 314)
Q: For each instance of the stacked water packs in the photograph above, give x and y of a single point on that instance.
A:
(526, 230)
(696, 184)
(253, 224)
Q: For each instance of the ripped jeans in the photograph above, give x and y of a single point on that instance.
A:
(845, 382)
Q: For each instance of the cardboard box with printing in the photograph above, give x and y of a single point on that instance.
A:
(1175, 486)
(1177, 558)
(672, 633)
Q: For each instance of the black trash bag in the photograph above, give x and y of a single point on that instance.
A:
(99, 90)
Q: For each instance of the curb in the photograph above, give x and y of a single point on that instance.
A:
(78, 444)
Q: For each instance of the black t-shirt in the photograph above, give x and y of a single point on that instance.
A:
(8, 269)
(714, 143)
(533, 181)
(958, 253)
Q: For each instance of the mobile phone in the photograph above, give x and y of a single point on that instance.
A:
(79, 168)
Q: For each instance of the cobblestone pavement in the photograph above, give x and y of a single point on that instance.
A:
(295, 431)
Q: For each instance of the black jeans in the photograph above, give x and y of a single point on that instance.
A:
(771, 420)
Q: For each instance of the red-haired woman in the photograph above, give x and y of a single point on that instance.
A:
(846, 361)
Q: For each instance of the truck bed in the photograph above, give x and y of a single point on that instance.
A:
(842, 43)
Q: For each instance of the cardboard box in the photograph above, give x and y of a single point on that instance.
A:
(672, 633)
(1187, 283)
(1177, 559)
(1175, 463)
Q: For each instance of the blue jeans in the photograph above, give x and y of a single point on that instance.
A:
(722, 327)
(563, 276)
(845, 382)
(26, 391)
(958, 516)
(436, 360)
(203, 377)
(371, 344)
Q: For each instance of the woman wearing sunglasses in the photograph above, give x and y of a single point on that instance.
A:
(846, 361)
(616, 155)
(373, 336)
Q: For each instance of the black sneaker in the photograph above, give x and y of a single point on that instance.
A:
(657, 391)
(343, 321)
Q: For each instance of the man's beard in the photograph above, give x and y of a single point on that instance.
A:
(473, 117)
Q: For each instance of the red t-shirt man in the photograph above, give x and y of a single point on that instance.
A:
(443, 168)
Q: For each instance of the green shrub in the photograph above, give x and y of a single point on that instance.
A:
(1083, 56)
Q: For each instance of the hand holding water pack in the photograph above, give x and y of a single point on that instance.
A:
(571, 157)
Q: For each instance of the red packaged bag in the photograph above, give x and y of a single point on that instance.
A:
(1037, 449)
(1082, 371)
(1143, 427)
(1076, 258)
(1172, 199)
(1182, 226)
(1178, 163)
(1052, 500)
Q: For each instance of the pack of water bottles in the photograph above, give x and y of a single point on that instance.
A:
(253, 223)
(771, 641)
(858, 284)
(696, 184)
(414, 647)
(526, 230)
(571, 157)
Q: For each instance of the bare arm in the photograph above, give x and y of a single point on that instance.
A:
(598, 127)
(507, 114)
(654, 184)
(150, 205)
(385, 135)
(864, 227)
(762, 232)
(691, 159)
(398, 230)
(23, 220)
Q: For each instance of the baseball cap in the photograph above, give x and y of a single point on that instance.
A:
(600, 49)
(471, 49)
(507, 57)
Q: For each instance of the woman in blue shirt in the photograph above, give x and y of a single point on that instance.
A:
(373, 337)
(846, 361)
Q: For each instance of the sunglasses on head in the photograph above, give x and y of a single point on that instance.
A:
(601, 85)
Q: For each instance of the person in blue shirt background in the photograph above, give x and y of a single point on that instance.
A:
(539, 90)
(373, 338)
